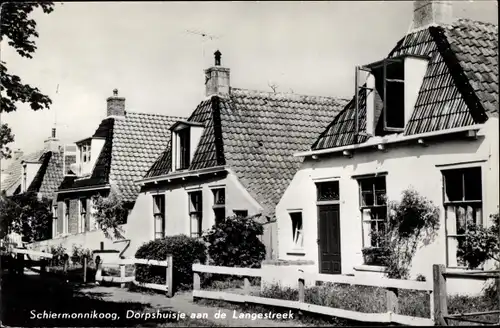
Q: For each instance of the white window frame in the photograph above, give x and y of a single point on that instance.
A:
(451, 209)
(159, 209)
(82, 215)
(221, 206)
(297, 234)
(366, 224)
(67, 204)
(195, 214)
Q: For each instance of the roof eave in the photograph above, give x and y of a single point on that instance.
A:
(377, 141)
(82, 189)
(182, 175)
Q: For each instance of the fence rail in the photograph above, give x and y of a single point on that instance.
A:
(440, 277)
(391, 285)
(123, 279)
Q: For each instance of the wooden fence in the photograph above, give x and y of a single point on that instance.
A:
(123, 279)
(391, 285)
(440, 277)
(23, 260)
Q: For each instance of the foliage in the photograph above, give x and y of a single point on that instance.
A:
(19, 30)
(185, 251)
(234, 242)
(58, 253)
(375, 256)
(79, 253)
(480, 244)
(109, 213)
(413, 222)
(27, 215)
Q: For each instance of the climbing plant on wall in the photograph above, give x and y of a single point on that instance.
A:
(109, 213)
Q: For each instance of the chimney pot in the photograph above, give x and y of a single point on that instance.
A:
(53, 132)
(116, 105)
(217, 56)
(431, 12)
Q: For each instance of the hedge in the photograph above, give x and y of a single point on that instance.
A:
(185, 251)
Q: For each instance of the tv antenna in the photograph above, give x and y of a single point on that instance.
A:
(205, 37)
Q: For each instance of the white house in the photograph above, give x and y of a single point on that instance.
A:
(424, 117)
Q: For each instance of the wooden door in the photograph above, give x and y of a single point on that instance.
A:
(329, 239)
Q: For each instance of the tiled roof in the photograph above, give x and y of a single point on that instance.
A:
(15, 169)
(460, 86)
(36, 183)
(255, 134)
(131, 146)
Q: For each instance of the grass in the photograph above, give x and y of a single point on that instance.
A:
(366, 299)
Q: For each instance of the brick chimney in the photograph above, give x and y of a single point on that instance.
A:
(217, 78)
(116, 105)
(52, 143)
(431, 12)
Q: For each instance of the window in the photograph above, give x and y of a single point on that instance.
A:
(219, 204)
(327, 191)
(85, 153)
(83, 215)
(373, 210)
(184, 149)
(463, 204)
(297, 234)
(241, 213)
(195, 213)
(159, 215)
(66, 216)
(54, 220)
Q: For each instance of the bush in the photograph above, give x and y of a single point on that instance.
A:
(375, 256)
(58, 253)
(79, 253)
(185, 251)
(234, 242)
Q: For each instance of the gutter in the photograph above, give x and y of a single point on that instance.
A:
(181, 175)
(381, 141)
(81, 189)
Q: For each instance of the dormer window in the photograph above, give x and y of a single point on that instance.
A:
(84, 156)
(185, 138)
(85, 153)
(397, 82)
(184, 151)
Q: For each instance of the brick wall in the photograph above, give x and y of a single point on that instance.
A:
(74, 213)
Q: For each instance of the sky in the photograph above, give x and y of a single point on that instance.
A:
(152, 53)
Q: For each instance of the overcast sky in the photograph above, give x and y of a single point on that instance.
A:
(146, 52)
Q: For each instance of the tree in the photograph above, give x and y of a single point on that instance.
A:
(110, 213)
(20, 31)
(27, 215)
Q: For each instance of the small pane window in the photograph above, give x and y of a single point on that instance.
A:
(241, 213)
(159, 215)
(373, 210)
(297, 232)
(327, 191)
(196, 213)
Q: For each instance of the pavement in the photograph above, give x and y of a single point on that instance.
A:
(183, 302)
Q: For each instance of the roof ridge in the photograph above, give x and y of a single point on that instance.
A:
(155, 114)
(293, 94)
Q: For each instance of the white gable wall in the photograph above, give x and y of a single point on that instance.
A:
(406, 166)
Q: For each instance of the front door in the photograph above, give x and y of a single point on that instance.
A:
(329, 239)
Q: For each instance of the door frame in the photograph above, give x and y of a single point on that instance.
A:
(337, 205)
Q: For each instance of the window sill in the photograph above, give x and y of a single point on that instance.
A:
(463, 270)
(296, 252)
(370, 268)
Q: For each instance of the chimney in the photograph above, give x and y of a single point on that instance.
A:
(17, 154)
(116, 105)
(431, 12)
(217, 78)
(52, 143)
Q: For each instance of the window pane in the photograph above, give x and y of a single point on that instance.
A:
(219, 196)
(241, 213)
(220, 214)
(472, 184)
(195, 224)
(453, 185)
(328, 191)
(297, 229)
(461, 219)
(367, 198)
(366, 234)
(451, 220)
(159, 225)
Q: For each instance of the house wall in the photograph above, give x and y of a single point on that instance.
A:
(140, 225)
(407, 166)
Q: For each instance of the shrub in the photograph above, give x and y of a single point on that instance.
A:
(58, 253)
(79, 253)
(375, 256)
(234, 242)
(185, 251)
(110, 213)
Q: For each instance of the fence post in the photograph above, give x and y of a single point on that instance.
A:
(392, 301)
(66, 262)
(98, 269)
(439, 294)
(170, 275)
(43, 266)
(85, 269)
(122, 275)
(20, 264)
